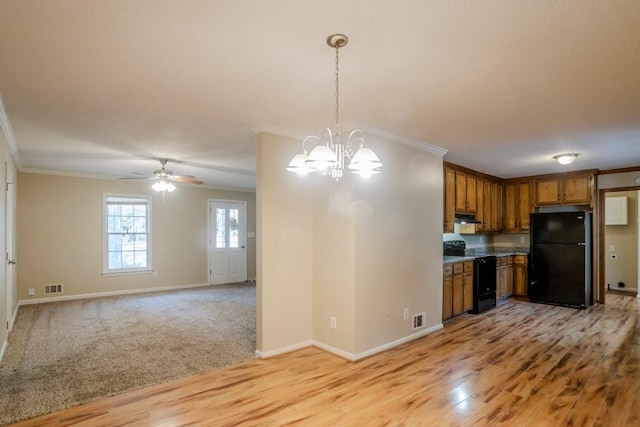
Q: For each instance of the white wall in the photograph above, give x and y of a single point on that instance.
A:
(362, 251)
(284, 249)
(61, 235)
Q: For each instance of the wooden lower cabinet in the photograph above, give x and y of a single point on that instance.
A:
(457, 289)
(504, 276)
(520, 275)
(467, 291)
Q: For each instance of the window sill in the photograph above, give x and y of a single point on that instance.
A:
(127, 272)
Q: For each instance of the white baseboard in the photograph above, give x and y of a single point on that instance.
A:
(282, 350)
(345, 354)
(353, 357)
(109, 294)
(3, 349)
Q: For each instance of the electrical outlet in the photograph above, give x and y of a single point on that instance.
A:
(522, 239)
(155, 274)
(332, 322)
(612, 248)
(32, 292)
(405, 314)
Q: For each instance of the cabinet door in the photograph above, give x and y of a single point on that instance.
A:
(547, 192)
(467, 298)
(447, 297)
(576, 190)
(449, 195)
(524, 206)
(480, 204)
(498, 282)
(461, 192)
(509, 279)
(520, 279)
(472, 206)
(458, 289)
(487, 206)
(510, 219)
(500, 206)
(496, 205)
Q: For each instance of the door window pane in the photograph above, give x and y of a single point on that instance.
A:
(221, 229)
(234, 238)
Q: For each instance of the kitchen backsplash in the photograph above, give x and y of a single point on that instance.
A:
(494, 240)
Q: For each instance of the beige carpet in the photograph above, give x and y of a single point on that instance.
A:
(65, 353)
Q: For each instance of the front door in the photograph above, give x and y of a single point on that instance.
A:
(227, 239)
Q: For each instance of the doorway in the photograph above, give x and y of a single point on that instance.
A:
(227, 241)
(9, 221)
(619, 243)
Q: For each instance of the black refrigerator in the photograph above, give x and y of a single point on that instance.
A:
(560, 259)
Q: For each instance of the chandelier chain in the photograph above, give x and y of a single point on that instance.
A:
(337, 84)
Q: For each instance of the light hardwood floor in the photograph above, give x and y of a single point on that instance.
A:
(521, 364)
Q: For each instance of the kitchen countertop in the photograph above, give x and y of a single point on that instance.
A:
(471, 254)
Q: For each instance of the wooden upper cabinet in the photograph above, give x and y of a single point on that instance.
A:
(577, 189)
(449, 194)
(496, 205)
(547, 192)
(517, 206)
(480, 205)
(524, 206)
(566, 189)
(510, 208)
(488, 209)
(465, 192)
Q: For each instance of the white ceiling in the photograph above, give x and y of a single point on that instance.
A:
(103, 87)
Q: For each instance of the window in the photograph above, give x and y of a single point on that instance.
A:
(127, 234)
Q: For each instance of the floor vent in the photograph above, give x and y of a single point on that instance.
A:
(53, 289)
(418, 320)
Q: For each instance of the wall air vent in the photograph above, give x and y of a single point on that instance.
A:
(418, 320)
(53, 289)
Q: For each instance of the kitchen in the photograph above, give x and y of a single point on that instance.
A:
(486, 239)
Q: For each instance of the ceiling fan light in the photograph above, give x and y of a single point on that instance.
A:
(163, 185)
(566, 158)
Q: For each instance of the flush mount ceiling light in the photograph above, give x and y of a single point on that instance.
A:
(330, 154)
(566, 158)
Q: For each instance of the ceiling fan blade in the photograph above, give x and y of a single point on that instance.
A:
(139, 178)
(186, 179)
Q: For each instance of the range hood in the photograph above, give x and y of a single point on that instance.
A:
(466, 219)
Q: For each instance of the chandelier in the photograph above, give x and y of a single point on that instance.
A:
(330, 154)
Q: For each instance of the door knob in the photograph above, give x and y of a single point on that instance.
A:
(12, 261)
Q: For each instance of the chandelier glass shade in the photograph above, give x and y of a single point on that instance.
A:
(331, 155)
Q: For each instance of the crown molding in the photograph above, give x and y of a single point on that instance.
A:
(5, 126)
(411, 142)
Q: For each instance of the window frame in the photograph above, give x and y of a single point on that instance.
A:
(105, 235)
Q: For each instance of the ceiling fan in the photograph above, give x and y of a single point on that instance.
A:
(164, 178)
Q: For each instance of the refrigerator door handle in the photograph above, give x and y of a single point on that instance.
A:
(582, 244)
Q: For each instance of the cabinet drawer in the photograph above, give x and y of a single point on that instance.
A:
(447, 270)
(509, 260)
(501, 261)
(458, 268)
(520, 259)
(468, 266)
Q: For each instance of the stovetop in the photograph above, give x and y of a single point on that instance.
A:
(454, 248)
